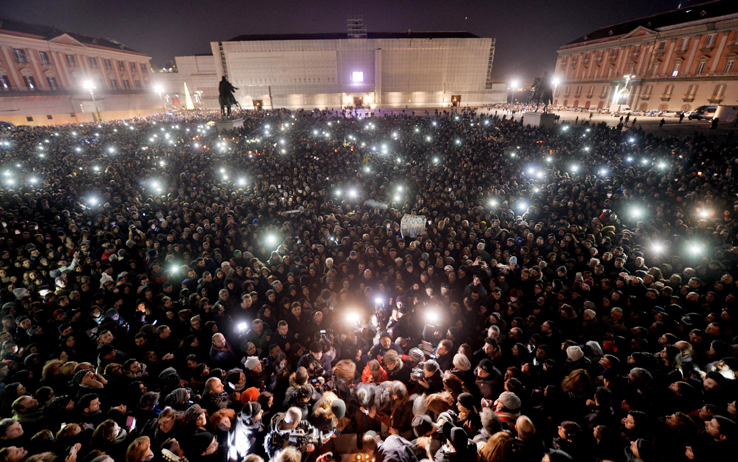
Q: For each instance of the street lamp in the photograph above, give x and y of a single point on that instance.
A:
(513, 84)
(159, 89)
(89, 85)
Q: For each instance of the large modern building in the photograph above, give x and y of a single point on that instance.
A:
(673, 61)
(43, 72)
(359, 69)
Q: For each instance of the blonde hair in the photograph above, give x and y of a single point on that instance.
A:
(45, 372)
(69, 367)
(577, 380)
(497, 448)
(323, 406)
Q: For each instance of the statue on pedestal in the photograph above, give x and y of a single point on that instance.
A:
(225, 96)
(543, 91)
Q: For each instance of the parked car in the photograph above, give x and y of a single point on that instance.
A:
(703, 113)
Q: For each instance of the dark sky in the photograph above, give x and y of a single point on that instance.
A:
(528, 32)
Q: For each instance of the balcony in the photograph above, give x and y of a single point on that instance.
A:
(681, 51)
(645, 97)
(688, 98)
(659, 52)
(665, 96)
(733, 46)
(598, 59)
(635, 56)
(707, 48)
(714, 99)
(612, 58)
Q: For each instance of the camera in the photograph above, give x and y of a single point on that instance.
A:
(418, 372)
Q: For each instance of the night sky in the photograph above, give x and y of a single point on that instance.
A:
(528, 32)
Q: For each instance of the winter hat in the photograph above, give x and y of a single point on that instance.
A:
(199, 442)
(249, 395)
(589, 315)
(251, 362)
(487, 365)
(21, 292)
(466, 400)
(510, 401)
(192, 413)
(422, 424)
(250, 409)
(78, 376)
(556, 455)
(459, 439)
(596, 349)
(574, 353)
(339, 409)
(646, 450)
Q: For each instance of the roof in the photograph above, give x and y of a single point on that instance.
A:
(49, 33)
(343, 35)
(698, 12)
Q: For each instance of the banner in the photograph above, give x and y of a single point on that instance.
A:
(412, 225)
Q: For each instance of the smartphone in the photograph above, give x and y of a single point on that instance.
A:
(130, 423)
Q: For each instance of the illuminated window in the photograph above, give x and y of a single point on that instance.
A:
(357, 76)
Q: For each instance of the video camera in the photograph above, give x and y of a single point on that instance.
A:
(304, 435)
(418, 372)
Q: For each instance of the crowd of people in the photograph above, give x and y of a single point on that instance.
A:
(448, 286)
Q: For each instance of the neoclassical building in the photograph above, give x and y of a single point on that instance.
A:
(43, 69)
(673, 61)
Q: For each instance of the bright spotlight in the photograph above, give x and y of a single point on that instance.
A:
(603, 172)
(657, 247)
(574, 168)
(436, 160)
(637, 213)
(695, 249)
(92, 201)
(353, 193)
(242, 181)
(431, 317)
(353, 318)
(522, 206)
(493, 203)
(242, 326)
(704, 213)
(338, 193)
(271, 240)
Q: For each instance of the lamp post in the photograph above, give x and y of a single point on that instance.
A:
(159, 89)
(513, 84)
(90, 86)
(625, 88)
(555, 83)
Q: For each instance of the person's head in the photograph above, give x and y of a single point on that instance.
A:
(12, 454)
(166, 420)
(10, 429)
(108, 430)
(525, 428)
(139, 450)
(291, 418)
(89, 403)
(219, 340)
(498, 447)
(722, 428)
(214, 386)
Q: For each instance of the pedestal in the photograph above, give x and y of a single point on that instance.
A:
(228, 124)
(539, 119)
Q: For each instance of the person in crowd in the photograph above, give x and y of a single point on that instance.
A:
(568, 293)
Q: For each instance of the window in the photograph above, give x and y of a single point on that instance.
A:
(29, 118)
(108, 65)
(51, 80)
(71, 62)
(137, 83)
(4, 82)
(701, 67)
(636, 49)
(121, 66)
(49, 116)
(30, 83)
(684, 44)
(729, 66)
(20, 56)
(93, 63)
(647, 91)
(655, 68)
(675, 70)
(604, 91)
(661, 47)
(631, 69)
(114, 84)
(143, 67)
(126, 84)
(719, 92)
(133, 67)
(44, 58)
(669, 90)
(710, 42)
(692, 90)
(357, 76)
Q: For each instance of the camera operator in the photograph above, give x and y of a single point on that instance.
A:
(396, 369)
(432, 380)
(317, 364)
(284, 425)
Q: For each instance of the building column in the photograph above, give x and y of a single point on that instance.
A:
(19, 84)
(378, 77)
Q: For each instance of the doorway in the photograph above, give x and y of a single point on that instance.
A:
(358, 102)
(258, 104)
(455, 100)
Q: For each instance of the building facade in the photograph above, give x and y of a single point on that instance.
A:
(43, 71)
(360, 69)
(198, 74)
(675, 61)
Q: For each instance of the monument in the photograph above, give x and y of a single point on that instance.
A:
(542, 93)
